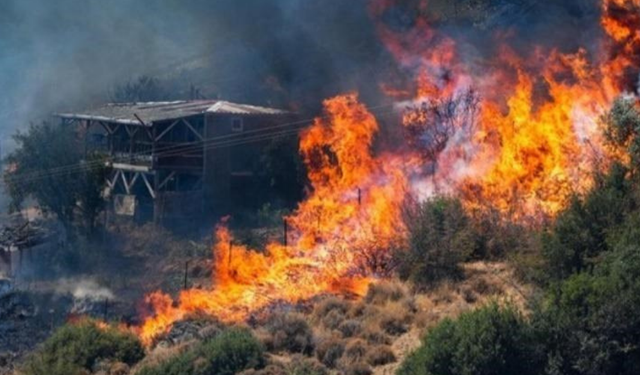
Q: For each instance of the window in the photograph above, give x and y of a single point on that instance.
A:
(237, 125)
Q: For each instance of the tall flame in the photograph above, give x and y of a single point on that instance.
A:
(352, 214)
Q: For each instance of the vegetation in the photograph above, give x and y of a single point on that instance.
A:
(228, 353)
(79, 347)
(440, 237)
(586, 322)
(49, 166)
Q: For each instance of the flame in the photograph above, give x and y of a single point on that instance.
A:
(525, 138)
(537, 137)
(352, 214)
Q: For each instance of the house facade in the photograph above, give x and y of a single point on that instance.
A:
(178, 160)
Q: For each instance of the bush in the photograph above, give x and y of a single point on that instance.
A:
(491, 340)
(355, 351)
(329, 351)
(350, 328)
(380, 355)
(590, 322)
(79, 347)
(358, 368)
(440, 237)
(228, 353)
(385, 291)
(290, 332)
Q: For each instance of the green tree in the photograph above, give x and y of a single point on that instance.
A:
(440, 237)
(49, 165)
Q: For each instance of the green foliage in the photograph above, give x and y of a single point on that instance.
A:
(49, 166)
(622, 126)
(589, 323)
(579, 235)
(228, 353)
(491, 340)
(77, 347)
(440, 237)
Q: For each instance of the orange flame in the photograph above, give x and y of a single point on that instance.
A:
(354, 210)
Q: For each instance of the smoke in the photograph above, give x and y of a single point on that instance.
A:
(82, 289)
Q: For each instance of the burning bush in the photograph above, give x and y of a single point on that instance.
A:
(79, 347)
(230, 352)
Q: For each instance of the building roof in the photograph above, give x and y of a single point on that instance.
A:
(150, 112)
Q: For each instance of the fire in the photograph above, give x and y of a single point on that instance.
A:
(351, 216)
(518, 133)
(537, 137)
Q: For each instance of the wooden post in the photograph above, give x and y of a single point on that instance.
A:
(106, 308)
(359, 197)
(186, 275)
(230, 250)
(286, 229)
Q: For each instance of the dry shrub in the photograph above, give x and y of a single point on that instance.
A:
(330, 304)
(386, 291)
(426, 319)
(119, 368)
(333, 319)
(355, 351)
(374, 335)
(350, 328)
(270, 369)
(468, 295)
(289, 332)
(301, 365)
(357, 310)
(380, 355)
(396, 318)
(329, 351)
(483, 288)
(358, 368)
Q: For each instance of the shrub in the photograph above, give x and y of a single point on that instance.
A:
(230, 352)
(78, 347)
(358, 368)
(385, 291)
(590, 323)
(350, 328)
(306, 366)
(355, 351)
(329, 351)
(491, 340)
(380, 355)
(440, 237)
(329, 304)
(290, 332)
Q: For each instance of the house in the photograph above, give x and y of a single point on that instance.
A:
(179, 159)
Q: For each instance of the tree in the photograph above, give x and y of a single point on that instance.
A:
(440, 237)
(49, 166)
(430, 126)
